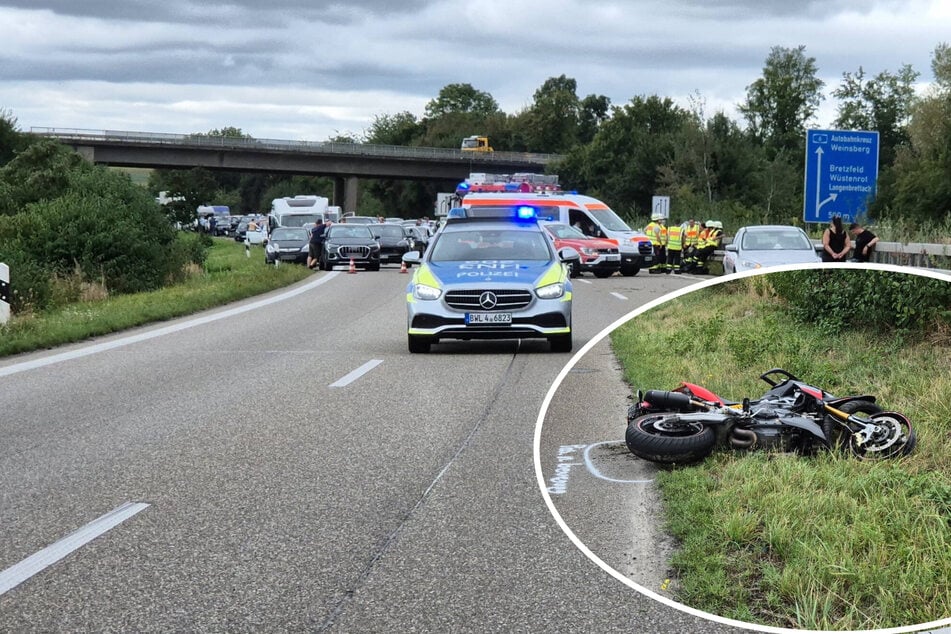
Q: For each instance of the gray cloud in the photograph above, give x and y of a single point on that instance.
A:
(347, 55)
(220, 12)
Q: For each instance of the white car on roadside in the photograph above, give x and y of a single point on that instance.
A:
(760, 246)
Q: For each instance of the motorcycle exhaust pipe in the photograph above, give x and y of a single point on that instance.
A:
(742, 438)
(669, 400)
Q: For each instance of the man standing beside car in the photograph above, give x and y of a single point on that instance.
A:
(316, 243)
(865, 242)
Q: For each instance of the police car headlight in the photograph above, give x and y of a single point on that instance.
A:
(589, 251)
(421, 291)
(552, 291)
(750, 264)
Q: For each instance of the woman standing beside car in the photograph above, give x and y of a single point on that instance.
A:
(836, 243)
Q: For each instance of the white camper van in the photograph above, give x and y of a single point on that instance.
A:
(297, 211)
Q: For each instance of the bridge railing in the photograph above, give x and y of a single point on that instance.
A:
(77, 135)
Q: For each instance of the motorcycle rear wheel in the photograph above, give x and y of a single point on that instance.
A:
(663, 438)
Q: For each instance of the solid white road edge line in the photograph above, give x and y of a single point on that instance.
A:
(356, 374)
(160, 332)
(18, 573)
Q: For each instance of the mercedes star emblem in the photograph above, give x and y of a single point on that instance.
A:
(488, 300)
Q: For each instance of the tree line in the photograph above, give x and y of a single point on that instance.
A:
(742, 172)
(709, 164)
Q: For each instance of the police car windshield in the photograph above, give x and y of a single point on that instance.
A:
(609, 220)
(497, 244)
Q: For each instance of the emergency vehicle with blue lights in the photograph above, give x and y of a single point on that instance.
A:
(490, 273)
(542, 191)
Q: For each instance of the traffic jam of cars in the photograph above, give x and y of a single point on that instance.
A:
(499, 263)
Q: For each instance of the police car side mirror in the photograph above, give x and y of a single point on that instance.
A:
(412, 257)
(568, 254)
(732, 247)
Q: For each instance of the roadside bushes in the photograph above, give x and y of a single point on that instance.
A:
(65, 218)
(876, 300)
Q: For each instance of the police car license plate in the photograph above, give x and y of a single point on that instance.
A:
(479, 319)
(612, 257)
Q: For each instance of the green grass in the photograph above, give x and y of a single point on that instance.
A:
(824, 542)
(229, 275)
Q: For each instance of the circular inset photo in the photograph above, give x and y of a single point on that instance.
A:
(768, 450)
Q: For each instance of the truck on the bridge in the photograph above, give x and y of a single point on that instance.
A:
(476, 143)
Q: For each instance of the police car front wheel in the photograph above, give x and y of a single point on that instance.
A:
(416, 343)
(560, 343)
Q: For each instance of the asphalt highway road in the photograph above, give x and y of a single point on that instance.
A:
(294, 468)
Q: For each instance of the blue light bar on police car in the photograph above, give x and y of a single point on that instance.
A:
(525, 212)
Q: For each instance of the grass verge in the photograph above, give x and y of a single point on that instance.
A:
(823, 542)
(229, 275)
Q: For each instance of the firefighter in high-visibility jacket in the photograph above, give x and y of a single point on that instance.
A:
(710, 244)
(675, 242)
(691, 232)
(657, 232)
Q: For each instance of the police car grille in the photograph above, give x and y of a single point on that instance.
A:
(506, 299)
(611, 250)
(645, 248)
(354, 251)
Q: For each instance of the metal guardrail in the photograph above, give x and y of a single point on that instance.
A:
(305, 147)
(915, 254)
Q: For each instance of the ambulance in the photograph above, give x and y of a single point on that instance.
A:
(541, 191)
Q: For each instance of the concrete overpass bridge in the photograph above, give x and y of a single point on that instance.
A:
(344, 162)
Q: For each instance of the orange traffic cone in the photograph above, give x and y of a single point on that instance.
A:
(353, 267)
(403, 268)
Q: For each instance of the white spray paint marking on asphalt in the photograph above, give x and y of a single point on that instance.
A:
(558, 483)
(18, 573)
(596, 473)
(619, 296)
(583, 281)
(356, 374)
(160, 332)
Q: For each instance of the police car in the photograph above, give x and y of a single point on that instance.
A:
(490, 273)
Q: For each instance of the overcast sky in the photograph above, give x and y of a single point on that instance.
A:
(311, 69)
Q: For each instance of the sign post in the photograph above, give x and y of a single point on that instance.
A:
(841, 174)
(4, 293)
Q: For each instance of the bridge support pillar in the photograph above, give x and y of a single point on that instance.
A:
(87, 152)
(338, 191)
(350, 196)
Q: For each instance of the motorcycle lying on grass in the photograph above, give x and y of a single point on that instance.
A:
(686, 424)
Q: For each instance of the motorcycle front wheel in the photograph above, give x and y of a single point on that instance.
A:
(664, 438)
(893, 437)
(836, 433)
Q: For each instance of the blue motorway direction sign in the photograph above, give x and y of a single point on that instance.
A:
(841, 174)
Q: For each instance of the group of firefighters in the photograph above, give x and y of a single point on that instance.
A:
(683, 248)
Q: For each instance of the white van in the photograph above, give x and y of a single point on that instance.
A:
(297, 211)
(590, 215)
